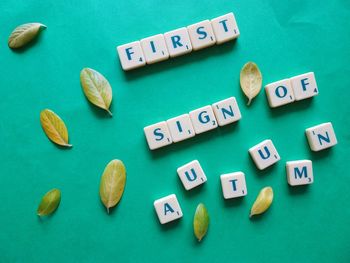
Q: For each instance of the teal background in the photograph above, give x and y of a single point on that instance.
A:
(285, 38)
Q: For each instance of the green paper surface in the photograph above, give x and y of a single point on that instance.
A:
(285, 38)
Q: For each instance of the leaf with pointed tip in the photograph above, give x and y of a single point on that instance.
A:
(23, 34)
(49, 202)
(262, 202)
(112, 183)
(96, 88)
(200, 221)
(54, 127)
(251, 80)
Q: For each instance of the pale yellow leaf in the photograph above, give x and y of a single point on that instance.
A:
(262, 202)
(96, 88)
(54, 127)
(250, 80)
(23, 34)
(112, 183)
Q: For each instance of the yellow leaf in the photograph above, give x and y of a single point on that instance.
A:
(96, 88)
(250, 80)
(112, 183)
(262, 202)
(23, 34)
(54, 128)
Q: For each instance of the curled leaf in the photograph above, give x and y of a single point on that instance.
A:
(112, 183)
(251, 80)
(49, 202)
(262, 202)
(54, 127)
(96, 88)
(23, 34)
(200, 221)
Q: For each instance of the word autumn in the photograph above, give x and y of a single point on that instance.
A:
(178, 42)
(234, 185)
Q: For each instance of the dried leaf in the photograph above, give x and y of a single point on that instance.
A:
(112, 183)
(49, 202)
(262, 202)
(54, 128)
(23, 34)
(200, 221)
(96, 88)
(251, 80)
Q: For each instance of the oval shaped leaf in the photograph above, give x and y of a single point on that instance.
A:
(54, 127)
(251, 80)
(200, 221)
(23, 34)
(96, 88)
(262, 202)
(112, 183)
(49, 202)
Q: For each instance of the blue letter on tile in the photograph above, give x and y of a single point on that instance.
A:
(225, 111)
(203, 33)
(323, 138)
(278, 94)
(234, 184)
(267, 153)
(128, 52)
(179, 126)
(168, 208)
(206, 117)
(299, 173)
(303, 84)
(157, 132)
(153, 47)
(194, 177)
(176, 41)
(223, 22)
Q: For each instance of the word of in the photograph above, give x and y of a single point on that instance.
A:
(188, 125)
(289, 90)
(178, 42)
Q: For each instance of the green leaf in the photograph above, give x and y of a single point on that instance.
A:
(251, 80)
(54, 127)
(262, 202)
(49, 202)
(200, 221)
(96, 88)
(23, 34)
(112, 183)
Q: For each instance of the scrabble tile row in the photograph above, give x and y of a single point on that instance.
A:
(178, 42)
(234, 185)
(286, 91)
(188, 125)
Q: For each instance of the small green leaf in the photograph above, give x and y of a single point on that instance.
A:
(96, 88)
(251, 80)
(112, 183)
(262, 202)
(200, 221)
(23, 34)
(49, 202)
